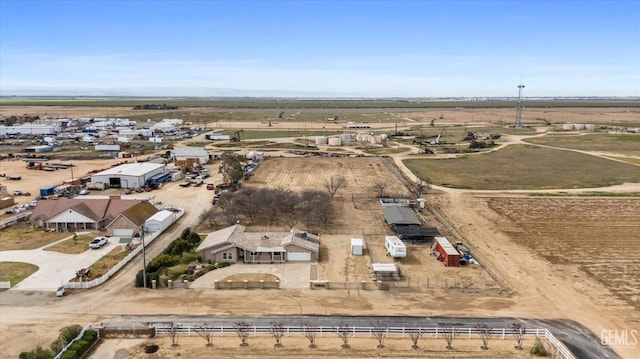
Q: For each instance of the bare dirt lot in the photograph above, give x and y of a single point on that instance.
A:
(593, 234)
(297, 347)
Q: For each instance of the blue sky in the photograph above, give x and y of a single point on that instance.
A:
(320, 48)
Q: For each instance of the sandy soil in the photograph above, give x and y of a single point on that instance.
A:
(535, 287)
(297, 347)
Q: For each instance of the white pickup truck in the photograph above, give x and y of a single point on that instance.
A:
(98, 242)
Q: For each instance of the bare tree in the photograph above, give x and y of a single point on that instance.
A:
(277, 332)
(485, 334)
(419, 187)
(379, 186)
(449, 333)
(205, 332)
(415, 333)
(310, 332)
(518, 331)
(173, 333)
(242, 329)
(333, 184)
(345, 332)
(379, 331)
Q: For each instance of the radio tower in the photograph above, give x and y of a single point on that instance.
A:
(519, 107)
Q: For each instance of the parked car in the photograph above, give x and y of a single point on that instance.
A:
(98, 242)
(84, 192)
(17, 193)
(210, 186)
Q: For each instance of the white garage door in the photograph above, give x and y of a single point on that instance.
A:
(298, 256)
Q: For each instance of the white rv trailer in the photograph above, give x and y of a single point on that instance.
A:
(395, 247)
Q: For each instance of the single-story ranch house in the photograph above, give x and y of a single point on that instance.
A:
(233, 245)
(95, 214)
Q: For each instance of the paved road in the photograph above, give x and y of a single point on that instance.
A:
(581, 341)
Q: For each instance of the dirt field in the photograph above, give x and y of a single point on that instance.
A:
(593, 234)
(297, 347)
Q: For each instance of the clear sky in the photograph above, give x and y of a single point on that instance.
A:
(320, 48)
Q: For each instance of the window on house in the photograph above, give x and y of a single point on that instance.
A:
(227, 255)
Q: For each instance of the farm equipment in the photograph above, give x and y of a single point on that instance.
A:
(423, 149)
(236, 137)
(437, 140)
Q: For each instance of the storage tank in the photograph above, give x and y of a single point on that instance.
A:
(345, 139)
(321, 140)
(334, 141)
(568, 126)
(590, 126)
(578, 126)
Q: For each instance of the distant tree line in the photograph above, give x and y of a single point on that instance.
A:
(271, 206)
(13, 120)
(155, 106)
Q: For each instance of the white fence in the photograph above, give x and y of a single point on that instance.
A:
(435, 332)
(89, 326)
(98, 281)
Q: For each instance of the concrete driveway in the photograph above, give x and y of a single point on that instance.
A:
(292, 274)
(55, 268)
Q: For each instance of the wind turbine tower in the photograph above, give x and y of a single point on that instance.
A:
(519, 107)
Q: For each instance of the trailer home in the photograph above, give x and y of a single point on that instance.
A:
(395, 247)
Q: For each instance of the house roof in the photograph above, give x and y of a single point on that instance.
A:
(405, 232)
(97, 209)
(256, 241)
(139, 213)
(190, 151)
(399, 215)
(131, 169)
(160, 216)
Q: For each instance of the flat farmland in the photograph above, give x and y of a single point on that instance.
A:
(299, 174)
(600, 235)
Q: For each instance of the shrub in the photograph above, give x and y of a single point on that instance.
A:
(67, 334)
(80, 347)
(538, 349)
(38, 353)
(163, 260)
(185, 233)
(194, 238)
(222, 264)
(181, 246)
(189, 257)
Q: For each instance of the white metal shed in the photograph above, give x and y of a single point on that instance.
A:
(356, 246)
(159, 221)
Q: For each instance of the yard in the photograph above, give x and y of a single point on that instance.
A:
(23, 236)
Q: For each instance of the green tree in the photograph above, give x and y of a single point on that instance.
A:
(67, 334)
(231, 167)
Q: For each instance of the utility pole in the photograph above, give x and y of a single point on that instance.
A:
(144, 258)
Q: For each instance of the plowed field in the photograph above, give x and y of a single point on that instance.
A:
(600, 235)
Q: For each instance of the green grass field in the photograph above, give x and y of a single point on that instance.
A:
(526, 167)
(628, 144)
(15, 272)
